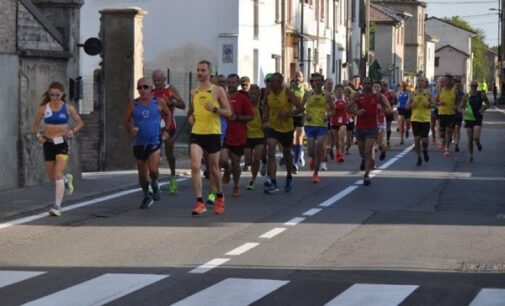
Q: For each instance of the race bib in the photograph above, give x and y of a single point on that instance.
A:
(58, 140)
(340, 119)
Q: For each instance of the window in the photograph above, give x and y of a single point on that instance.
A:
(437, 61)
(256, 19)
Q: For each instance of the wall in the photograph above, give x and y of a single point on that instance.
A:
(451, 62)
(449, 35)
(384, 47)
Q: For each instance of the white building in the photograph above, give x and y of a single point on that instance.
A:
(430, 44)
(453, 40)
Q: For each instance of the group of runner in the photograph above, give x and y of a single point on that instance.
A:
(228, 123)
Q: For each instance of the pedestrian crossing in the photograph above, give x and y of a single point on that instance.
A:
(230, 291)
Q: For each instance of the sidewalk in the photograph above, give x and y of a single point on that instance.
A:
(17, 203)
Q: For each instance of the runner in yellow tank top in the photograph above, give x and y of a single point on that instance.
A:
(255, 145)
(279, 122)
(420, 103)
(318, 107)
(447, 101)
(208, 103)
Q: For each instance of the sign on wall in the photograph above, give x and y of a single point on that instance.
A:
(227, 53)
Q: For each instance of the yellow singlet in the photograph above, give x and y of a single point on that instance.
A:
(448, 96)
(421, 111)
(206, 122)
(254, 127)
(276, 104)
(315, 110)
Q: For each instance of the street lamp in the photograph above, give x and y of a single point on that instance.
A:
(499, 66)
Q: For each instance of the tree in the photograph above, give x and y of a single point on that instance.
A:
(479, 48)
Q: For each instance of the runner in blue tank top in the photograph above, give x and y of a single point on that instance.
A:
(146, 114)
(402, 96)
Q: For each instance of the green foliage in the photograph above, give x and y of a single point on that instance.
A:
(479, 48)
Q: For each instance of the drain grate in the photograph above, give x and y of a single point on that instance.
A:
(483, 267)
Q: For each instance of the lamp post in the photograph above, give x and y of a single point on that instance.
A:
(500, 43)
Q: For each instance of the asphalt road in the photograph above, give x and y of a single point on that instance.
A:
(428, 235)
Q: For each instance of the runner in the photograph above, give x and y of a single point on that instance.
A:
(339, 122)
(55, 112)
(329, 90)
(245, 85)
(174, 100)
(365, 107)
(278, 117)
(146, 114)
(473, 106)
(390, 95)
(435, 126)
(255, 144)
(209, 103)
(318, 107)
(350, 95)
(402, 96)
(299, 89)
(236, 133)
(458, 116)
(447, 102)
(420, 103)
(381, 122)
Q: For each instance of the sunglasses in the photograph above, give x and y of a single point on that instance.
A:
(144, 87)
(55, 95)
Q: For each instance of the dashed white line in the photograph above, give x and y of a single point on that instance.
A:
(312, 211)
(273, 232)
(295, 221)
(214, 263)
(334, 199)
(242, 249)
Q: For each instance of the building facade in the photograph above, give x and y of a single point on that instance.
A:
(429, 66)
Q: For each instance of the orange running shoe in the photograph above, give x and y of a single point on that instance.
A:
(219, 206)
(199, 209)
(315, 178)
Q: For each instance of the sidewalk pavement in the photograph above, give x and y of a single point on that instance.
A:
(22, 202)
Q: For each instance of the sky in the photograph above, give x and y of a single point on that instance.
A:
(476, 13)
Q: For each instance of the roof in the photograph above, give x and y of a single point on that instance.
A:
(382, 14)
(428, 37)
(452, 24)
(453, 48)
(411, 2)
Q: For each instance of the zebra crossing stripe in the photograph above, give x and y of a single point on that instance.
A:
(373, 294)
(233, 291)
(489, 297)
(98, 291)
(11, 277)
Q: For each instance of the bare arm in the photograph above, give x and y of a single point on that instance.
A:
(225, 108)
(126, 120)
(179, 102)
(36, 124)
(79, 124)
(163, 106)
(386, 107)
(295, 101)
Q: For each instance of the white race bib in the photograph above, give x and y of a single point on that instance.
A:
(58, 140)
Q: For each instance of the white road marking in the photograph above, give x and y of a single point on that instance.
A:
(295, 221)
(274, 232)
(373, 295)
(334, 199)
(242, 249)
(11, 277)
(98, 291)
(489, 297)
(312, 211)
(233, 291)
(214, 263)
(28, 219)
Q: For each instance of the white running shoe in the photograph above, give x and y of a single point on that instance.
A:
(324, 166)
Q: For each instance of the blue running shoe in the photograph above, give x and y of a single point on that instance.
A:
(272, 188)
(288, 187)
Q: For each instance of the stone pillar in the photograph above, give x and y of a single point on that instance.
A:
(121, 33)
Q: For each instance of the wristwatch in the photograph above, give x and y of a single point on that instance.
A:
(215, 109)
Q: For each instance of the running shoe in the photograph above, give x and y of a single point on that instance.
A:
(250, 186)
(315, 178)
(288, 187)
(199, 209)
(69, 184)
(302, 159)
(219, 207)
(267, 182)
(362, 166)
(323, 166)
(419, 161)
(347, 151)
(401, 142)
(211, 198)
(341, 158)
(272, 188)
(383, 155)
(479, 146)
(426, 156)
(206, 174)
(263, 169)
(150, 190)
(156, 192)
(295, 169)
(172, 187)
(366, 180)
(146, 202)
(311, 164)
(55, 211)
(446, 153)
(236, 191)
